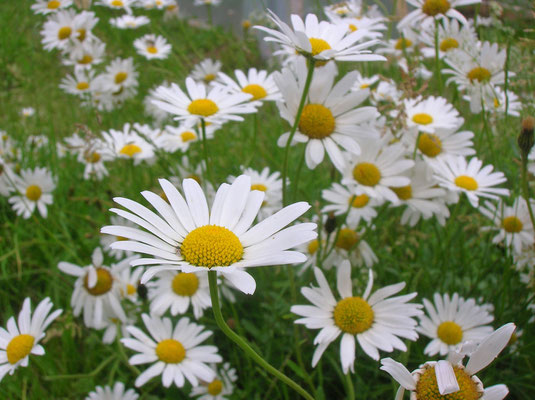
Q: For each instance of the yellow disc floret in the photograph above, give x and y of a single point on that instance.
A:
(19, 347)
(209, 77)
(170, 351)
(403, 43)
(422, 119)
(64, 32)
(82, 86)
(450, 332)
(429, 144)
(103, 285)
(259, 186)
(152, 50)
(33, 192)
(466, 182)
(215, 387)
(130, 150)
(435, 7)
(353, 315)
(120, 77)
(86, 59)
(366, 174)
(479, 74)
(403, 192)
(359, 201)
(130, 289)
(81, 34)
(93, 158)
(117, 3)
(211, 246)
(512, 224)
(347, 238)
(427, 387)
(448, 44)
(317, 121)
(203, 107)
(257, 91)
(313, 246)
(318, 45)
(185, 284)
(188, 136)
(52, 5)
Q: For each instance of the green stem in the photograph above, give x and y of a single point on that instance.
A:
(205, 151)
(506, 84)
(311, 63)
(437, 58)
(487, 132)
(350, 388)
(298, 173)
(525, 188)
(212, 279)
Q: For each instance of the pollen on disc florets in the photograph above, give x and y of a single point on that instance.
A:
(82, 86)
(103, 285)
(422, 119)
(257, 91)
(427, 387)
(466, 182)
(259, 186)
(448, 44)
(170, 351)
(317, 121)
(203, 107)
(479, 74)
(313, 246)
(211, 246)
(53, 4)
(512, 224)
(403, 192)
(130, 150)
(429, 144)
(64, 32)
(403, 43)
(188, 136)
(19, 347)
(152, 49)
(435, 7)
(33, 192)
(215, 387)
(120, 77)
(359, 201)
(366, 174)
(185, 284)
(353, 315)
(450, 332)
(347, 238)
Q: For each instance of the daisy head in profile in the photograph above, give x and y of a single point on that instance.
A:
(188, 236)
(220, 388)
(22, 339)
(428, 10)
(50, 6)
(376, 320)
(117, 392)
(206, 71)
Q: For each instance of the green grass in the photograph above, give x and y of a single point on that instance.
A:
(455, 258)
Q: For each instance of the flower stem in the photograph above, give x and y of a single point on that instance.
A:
(241, 342)
(310, 64)
(350, 388)
(205, 151)
(525, 188)
(437, 58)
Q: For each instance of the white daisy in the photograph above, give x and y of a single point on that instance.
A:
(430, 114)
(206, 71)
(119, 75)
(117, 392)
(159, 115)
(177, 290)
(220, 387)
(370, 27)
(190, 237)
(351, 9)
(23, 335)
(84, 22)
(59, 29)
(504, 99)
(86, 55)
(257, 83)
(347, 243)
(124, 5)
(437, 379)
(452, 321)
(428, 10)
(456, 175)
(407, 43)
(376, 320)
(206, 2)
(50, 6)
(179, 137)
(363, 82)
(440, 143)
(341, 197)
(27, 112)
(79, 84)
(452, 36)
(386, 91)
(151, 47)
(174, 353)
(34, 190)
(128, 144)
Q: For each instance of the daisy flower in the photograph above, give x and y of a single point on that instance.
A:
(348, 244)
(342, 199)
(440, 143)
(323, 40)
(219, 388)
(512, 223)
(117, 4)
(84, 23)
(214, 105)
(179, 138)
(174, 353)
(79, 84)
(23, 335)
(117, 392)
(370, 27)
(376, 321)
(351, 9)
(190, 237)
(499, 103)
(452, 36)
(58, 30)
(363, 82)
(430, 114)
(50, 6)
(128, 21)
(438, 379)
(151, 47)
(206, 71)
(177, 290)
(34, 190)
(428, 10)
(455, 174)
(452, 321)
(206, 2)
(27, 112)
(257, 83)
(128, 144)
(330, 119)
(378, 169)
(407, 43)
(86, 55)
(120, 74)
(93, 157)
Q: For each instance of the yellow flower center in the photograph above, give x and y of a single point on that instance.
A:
(479, 74)
(117, 3)
(367, 174)
(130, 150)
(81, 34)
(429, 144)
(448, 44)
(120, 77)
(188, 136)
(427, 387)
(403, 192)
(86, 59)
(152, 50)
(203, 107)
(257, 91)
(450, 332)
(403, 43)
(93, 157)
(435, 7)
(353, 28)
(33, 192)
(313, 246)
(52, 5)
(64, 32)
(185, 284)
(466, 182)
(347, 238)
(317, 121)
(211, 246)
(496, 103)
(170, 351)
(209, 77)
(359, 201)
(512, 224)
(103, 285)
(19, 347)
(196, 178)
(365, 86)
(318, 45)
(422, 119)
(353, 315)
(82, 86)
(215, 387)
(259, 186)
(130, 289)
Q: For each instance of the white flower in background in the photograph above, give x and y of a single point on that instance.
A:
(174, 353)
(159, 115)
(363, 82)
(428, 10)
(35, 142)
(79, 84)
(220, 387)
(193, 238)
(155, 4)
(49, 6)
(93, 155)
(407, 43)
(128, 144)
(437, 379)
(351, 9)
(106, 240)
(86, 55)
(119, 75)
(23, 335)
(257, 83)
(27, 112)
(151, 47)
(452, 321)
(206, 2)
(377, 321)
(59, 29)
(124, 5)
(128, 21)
(430, 114)
(499, 103)
(370, 27)
(452, 36)
(343, 199)
(84, 22)
(386, 91)
(440, 143)
(179, 138)
(206, 71)
(117, 392)
(33, 190)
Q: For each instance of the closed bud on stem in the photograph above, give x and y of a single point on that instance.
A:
(526, 139)
(330, 224)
